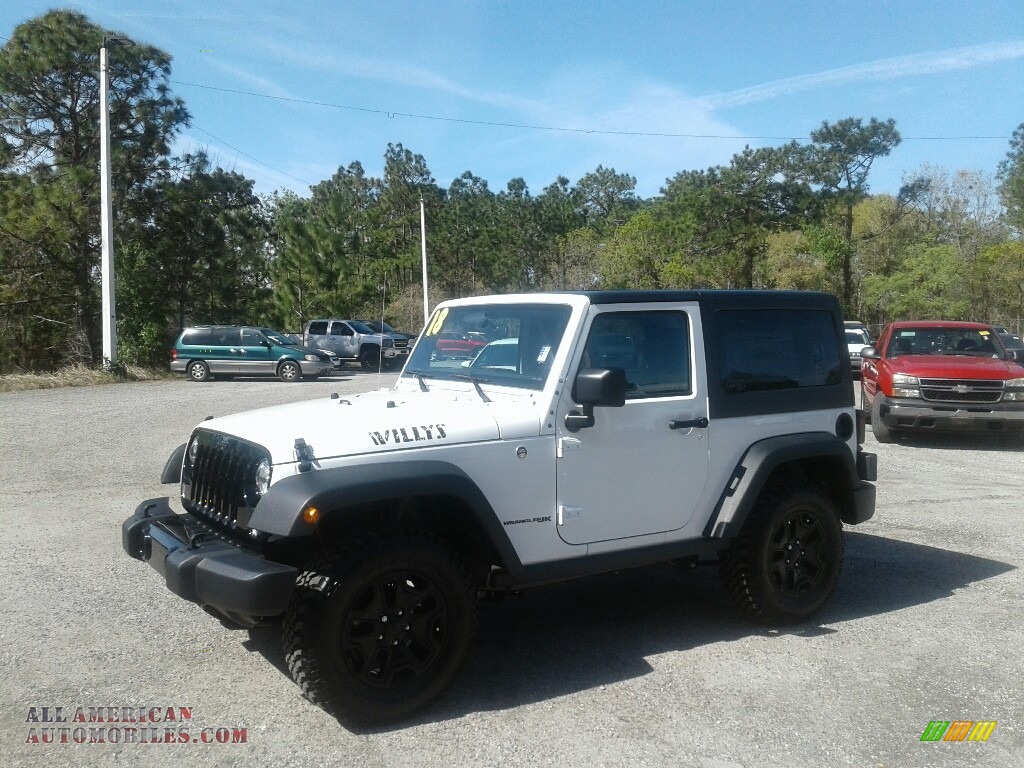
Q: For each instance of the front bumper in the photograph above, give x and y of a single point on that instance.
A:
(919, 414)
(203, 569)
(318, 368)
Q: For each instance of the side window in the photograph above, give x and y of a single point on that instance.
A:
(339, 328)
(226, 337)
(251, 337)
(652, 347)
(765, 349)
(318, 328)
(199, 337)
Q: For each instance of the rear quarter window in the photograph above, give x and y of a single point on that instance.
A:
(196, 337)
(317, 328)
(772, 349)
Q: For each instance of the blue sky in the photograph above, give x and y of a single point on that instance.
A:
(457, 82)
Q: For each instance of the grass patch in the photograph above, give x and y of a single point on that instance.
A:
(79, 376)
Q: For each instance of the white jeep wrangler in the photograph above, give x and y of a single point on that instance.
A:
(626, 428)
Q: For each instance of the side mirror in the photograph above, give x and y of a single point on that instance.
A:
(1017, 355)
(595, 387)
(869, 353)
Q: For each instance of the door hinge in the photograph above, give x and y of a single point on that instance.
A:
(567, 513)
(567, 444)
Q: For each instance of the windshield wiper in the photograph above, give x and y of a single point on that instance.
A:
(419, 378)
(476, 384)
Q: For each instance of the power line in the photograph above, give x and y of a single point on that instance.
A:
(255, 160)
(560, 129)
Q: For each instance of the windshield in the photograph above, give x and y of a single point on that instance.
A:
(528, 337)
(277, 338)
(944, 341)
(360, 327)
(856, 337)
(1010, 341)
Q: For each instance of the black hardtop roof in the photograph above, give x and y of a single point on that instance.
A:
(720, 297)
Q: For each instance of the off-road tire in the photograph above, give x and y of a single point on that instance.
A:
(379, 628)
(786, 561)
(289, 370)
(198, 371)
(882, 433)
(370, 358)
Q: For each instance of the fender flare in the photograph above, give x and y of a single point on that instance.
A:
(758, 463)
(280, 511)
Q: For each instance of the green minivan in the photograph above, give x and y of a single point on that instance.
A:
(239, 350)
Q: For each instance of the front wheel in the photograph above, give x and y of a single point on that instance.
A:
(785, 563)
(289, 370)
(882, 433)
(369, 359)
(378, 629)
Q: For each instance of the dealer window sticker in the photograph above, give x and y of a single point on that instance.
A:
(544, 352)
(435, 326)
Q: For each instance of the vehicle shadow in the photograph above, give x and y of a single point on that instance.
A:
(577, 636)
(967, 441)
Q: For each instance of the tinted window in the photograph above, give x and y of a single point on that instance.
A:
(339, 328)
(361, 327)
(765, 349)
(199, 337)
(652, 347)
(225, 337)
(251, 337)
(318, 328)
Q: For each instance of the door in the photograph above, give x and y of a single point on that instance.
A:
(254, 355)
(641, 468)
(223, 354)
(343, 340)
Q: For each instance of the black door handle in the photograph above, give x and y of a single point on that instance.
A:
(700, 422)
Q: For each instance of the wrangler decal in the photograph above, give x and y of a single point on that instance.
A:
(529, 520)
(396, 435)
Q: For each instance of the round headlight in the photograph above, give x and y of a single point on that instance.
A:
(262, 477)
(193, 451)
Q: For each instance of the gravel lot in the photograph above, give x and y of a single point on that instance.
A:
(644, 668)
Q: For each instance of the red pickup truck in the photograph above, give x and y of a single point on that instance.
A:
(939, 374)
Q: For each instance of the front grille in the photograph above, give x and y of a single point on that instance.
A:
(962, 390)
(220, 485)
(401, 343)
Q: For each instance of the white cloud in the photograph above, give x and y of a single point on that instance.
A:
(931, 63)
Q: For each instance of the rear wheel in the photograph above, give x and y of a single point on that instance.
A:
(198, 371)
(785, 563)
(380, 628)
(289, 370)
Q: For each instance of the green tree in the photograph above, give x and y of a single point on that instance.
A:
(49, 150)
(727, 213)
(1011, 178)
(839, 161)
(606, 197)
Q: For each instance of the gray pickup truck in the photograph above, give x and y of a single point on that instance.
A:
(355, 341)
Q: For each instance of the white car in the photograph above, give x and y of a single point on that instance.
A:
(856, 340)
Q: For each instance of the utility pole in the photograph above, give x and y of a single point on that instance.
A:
(107, 212)
(423, 249)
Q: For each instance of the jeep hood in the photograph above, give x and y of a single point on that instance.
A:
(376, 422)
(956, 367)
